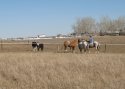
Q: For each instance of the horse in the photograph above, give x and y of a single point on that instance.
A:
(36, 46)
(40, 46)
(83, 44)
(71, 44)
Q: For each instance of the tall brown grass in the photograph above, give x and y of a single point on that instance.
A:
(45, 70)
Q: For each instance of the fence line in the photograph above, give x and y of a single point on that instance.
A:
(51, 43)
(58, 45)
(112, 44)
(29, 43)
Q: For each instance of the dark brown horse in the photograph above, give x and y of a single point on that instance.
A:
(71, 44)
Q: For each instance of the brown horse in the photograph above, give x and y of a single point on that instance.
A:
(71, 44)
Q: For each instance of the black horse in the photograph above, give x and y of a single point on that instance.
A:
(36, 46)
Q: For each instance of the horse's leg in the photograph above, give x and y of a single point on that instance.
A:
(80, 46)
(73, 49)
(80, 50)
(38, 48)
(84, 47)
(88, 49)
(35, 49)
(65, 48)
(98, 48)
(84, 50)
(41, 49)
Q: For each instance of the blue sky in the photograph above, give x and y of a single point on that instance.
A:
(20, 18)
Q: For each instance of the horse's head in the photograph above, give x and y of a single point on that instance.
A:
(79, 40)
(34, 43)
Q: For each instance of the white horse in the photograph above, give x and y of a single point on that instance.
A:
(83, 44)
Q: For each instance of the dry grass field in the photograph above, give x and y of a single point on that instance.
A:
(30, 70)
(20, 68)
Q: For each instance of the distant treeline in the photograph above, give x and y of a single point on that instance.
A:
(105, 26)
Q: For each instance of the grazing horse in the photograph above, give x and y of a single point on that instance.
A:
(36, 46)
(71, 44)
(83, 44)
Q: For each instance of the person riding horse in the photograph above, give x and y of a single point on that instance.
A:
(91, 41)
(86, 45)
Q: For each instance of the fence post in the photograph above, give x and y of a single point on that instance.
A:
(105, 47)
(28, 42)
(1, 45)
(57, 47)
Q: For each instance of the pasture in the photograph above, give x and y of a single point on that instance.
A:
(61, 71)
(51, 45)
(20, 68)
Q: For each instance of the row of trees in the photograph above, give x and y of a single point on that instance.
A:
(90, 25)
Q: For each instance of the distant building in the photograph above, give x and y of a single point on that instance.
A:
(40, 36)
(61, 36)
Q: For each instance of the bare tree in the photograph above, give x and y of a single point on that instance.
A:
(119, 23)
(84, 25)
(105, 24)
(89, 25)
